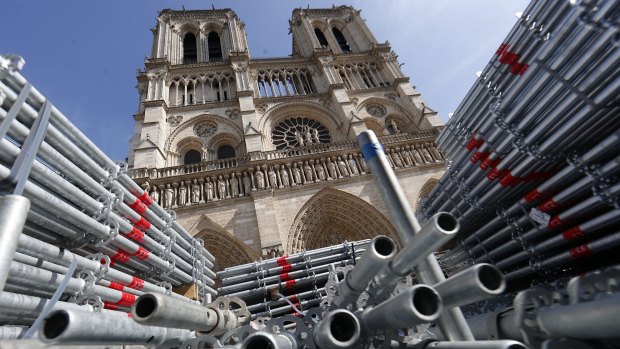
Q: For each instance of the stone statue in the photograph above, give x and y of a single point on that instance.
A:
(308, 172)
(273, 178)
(396, 159)
(320, 171)
(260, 178)
(234, 186)
(331, 168)
(168, 196)
(284, 176)
(342, 166)
(426, 154)
(395, 129)
(221, 187)
(308, 135)
(182, 194)
(195, 191)
(363, 164)
(155, 195)
(296, 174)
(247, 183)
(299, 138)
(209, 190)
(416, 155)
(435, 153)
(353, 165)
(146, 186)
(407, 156)
(315, 133)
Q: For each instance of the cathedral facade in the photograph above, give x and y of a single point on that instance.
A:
(259, 156)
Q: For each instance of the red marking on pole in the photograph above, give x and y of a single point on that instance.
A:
(109, 306)
(495, 174)
(501, 48)
(479, 156)
(286, 268)
(294, 299)
(548, 205)
(580, 251)
(282, 261)
(128, 314)
(146, 199)
(474, 143)
(135, 234)
(116, 286)
(289, 284)
(573, 233)
(138, 206)
(127, 299)
(506, 180)
(296, 314)
(136, 283)
(533, 195)
(143, 224)
(524, 67)
(555, 221)
(489, 163)
(121, 256)
(142, 253)
(284, 276)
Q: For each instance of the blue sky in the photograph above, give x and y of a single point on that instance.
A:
(83, 55)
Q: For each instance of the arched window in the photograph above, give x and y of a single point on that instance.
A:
(225, 152)
(190, 53)
(191, 157)
(322, 39)
(215, 47)
(342, 42)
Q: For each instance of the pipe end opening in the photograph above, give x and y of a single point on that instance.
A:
(55, 324)
(426, 301)
(384, 246)
(447, 222)
(491, 278)
(344, 327)
(258, 342)
(145, 306)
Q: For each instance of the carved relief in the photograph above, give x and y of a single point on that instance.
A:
(376, 110)
(205, 129)
(233, 113)
(175, 121)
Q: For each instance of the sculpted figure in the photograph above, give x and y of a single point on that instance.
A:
(308, 136)
(331, 168)
(195, 192)
(168, 195)
(426, 154)
(273, 178)
(342, 166)
(234, 186)
(435, 153)
(146, 186)
(247, 183)
(308, 172)
(396, 159)
(320, 172)
(363, 164)
(182, 194)
(416, 155)
(353, 165)
(260, 178)
(284, 176)
(155, 195)
(407, 156)
(209, 190)
(315, 133)
(221, 187)
(299, 138)
(394, 127)
(296, 174)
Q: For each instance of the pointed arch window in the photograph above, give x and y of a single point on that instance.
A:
(225, 152)
(215, 47)
(190, 51)
(322, 39)
(342, 42)
(191, 157)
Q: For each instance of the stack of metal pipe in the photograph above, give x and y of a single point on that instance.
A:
(533, 148)
(77, 233)
(287, 284)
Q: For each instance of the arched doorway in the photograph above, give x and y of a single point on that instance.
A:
(331, 217)
(228, 250)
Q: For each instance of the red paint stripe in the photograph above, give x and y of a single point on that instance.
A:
(128, 314)
(524, 67)
(282, 261)
(479, 156)
(127, 299)
(533, 195)
(548, 205)
(284, 276)
(555, 222)
(501, 48)
(138, 206)
(135, 234)
(136, 284)
(294, 299)
(495, 173)
(116, 286)
(286, 268)
(143, 224)
(142, 253)
(573, 233)
(121, 256)
(289, 284)
(110, 306)
(146, 199)
(506, 180)
(580, 251)
(474, 143)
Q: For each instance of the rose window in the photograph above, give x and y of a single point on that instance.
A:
(205, 129)
(299, 132)
(376, 110)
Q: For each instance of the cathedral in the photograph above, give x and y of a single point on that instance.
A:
(258, 156)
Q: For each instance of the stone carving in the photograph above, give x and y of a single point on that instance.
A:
(426, 154)
(331, 168)
(352, 165)
(416, 155)
(221, 187)
(273, 178)
(396, 159)
(262, 108)
(284, 176)
(195, 197)
(155, 195)
(209, 190)
(260, 178)
(342, 166)
(393, 126)
(205, 129)
(175, 121)
(296, 174)
(299, 132)
(234, 186)
(391, 96)
(168, 196)
(320, 171)
(308, 172)
(435, 152)
(233, 113)
(376, 110)
(182, 200)
(247, 183)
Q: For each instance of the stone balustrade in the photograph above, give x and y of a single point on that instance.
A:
(218, 180)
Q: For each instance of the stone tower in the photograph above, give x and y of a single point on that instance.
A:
(258, 156)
